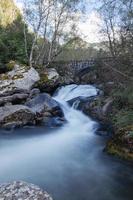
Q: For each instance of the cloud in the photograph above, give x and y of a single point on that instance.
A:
(89, 27)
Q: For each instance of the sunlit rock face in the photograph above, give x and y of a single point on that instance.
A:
(20, 77)
(21, 190)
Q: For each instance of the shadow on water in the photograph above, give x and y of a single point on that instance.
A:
(68, 162)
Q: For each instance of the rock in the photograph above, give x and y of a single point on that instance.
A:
(121, 143)
(45, 108)
(15, 99)
(19, 190)
(49, 80)
(52, 74)
(15, 116)
(21, 77)
(34, 92)
(107, 107)
(98, 107)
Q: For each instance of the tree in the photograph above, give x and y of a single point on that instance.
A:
(11, 33)
(117, 26)
(50, 21)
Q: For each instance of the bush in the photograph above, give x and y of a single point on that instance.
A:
(123, 118)
(123, 97)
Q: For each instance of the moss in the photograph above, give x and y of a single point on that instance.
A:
(122, 143)
(122, 118)
(118, 150)
(10, 65)
(4, 77)
(43, 81)
(18, 76)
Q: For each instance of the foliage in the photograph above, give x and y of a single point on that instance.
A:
(12, 46)
(123, 97)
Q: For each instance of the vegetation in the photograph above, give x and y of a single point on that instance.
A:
(11, 34)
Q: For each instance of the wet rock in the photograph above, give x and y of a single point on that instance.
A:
(13, 116)
(98, 107)
(34, 92)
(121, 143)
(45, 108)
(19, 190)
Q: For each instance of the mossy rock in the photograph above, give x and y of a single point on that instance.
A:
(122, 143)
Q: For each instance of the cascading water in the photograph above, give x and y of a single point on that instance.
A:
(68, 161)
(74, 117)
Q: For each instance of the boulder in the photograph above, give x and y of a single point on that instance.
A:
(46, 109)
(12, 116)
(15, 99)
(34, 92)
(49, 80)
(19, 190)
(52, 74)
(21, 77)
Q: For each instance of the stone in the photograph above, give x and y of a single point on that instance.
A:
(15, 116)
(15, 98)
(52, 74)
(43, 103)
(21, 77)
(46, 109)
(19, 190)
(34, 92)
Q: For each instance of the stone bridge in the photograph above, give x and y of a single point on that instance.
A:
(81, 67)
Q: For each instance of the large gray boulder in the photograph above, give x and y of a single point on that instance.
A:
(21, 77)
(19, 190)
(46, 109)
(12, 116)
(44, 103)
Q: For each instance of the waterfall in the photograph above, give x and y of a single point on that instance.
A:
(76, 119)
(67, 161)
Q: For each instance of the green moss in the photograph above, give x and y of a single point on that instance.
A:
(123, 97)
(10, 65)
(19, 76)
(123, 118)
(4, 77)
(122, 143)
(118, 150)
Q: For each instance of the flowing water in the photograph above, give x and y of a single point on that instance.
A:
(69, 161)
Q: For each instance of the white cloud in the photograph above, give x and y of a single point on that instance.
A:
(90, 27)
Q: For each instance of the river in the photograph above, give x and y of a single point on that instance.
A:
(68, 162)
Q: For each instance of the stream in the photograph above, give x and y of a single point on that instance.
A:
(68, 161)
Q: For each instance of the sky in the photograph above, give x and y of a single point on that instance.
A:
(88, 25)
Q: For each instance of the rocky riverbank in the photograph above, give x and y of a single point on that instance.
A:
(114, 107)
(21, 101)
(19, 190)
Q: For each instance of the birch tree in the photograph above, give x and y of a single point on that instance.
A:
(49, 20)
